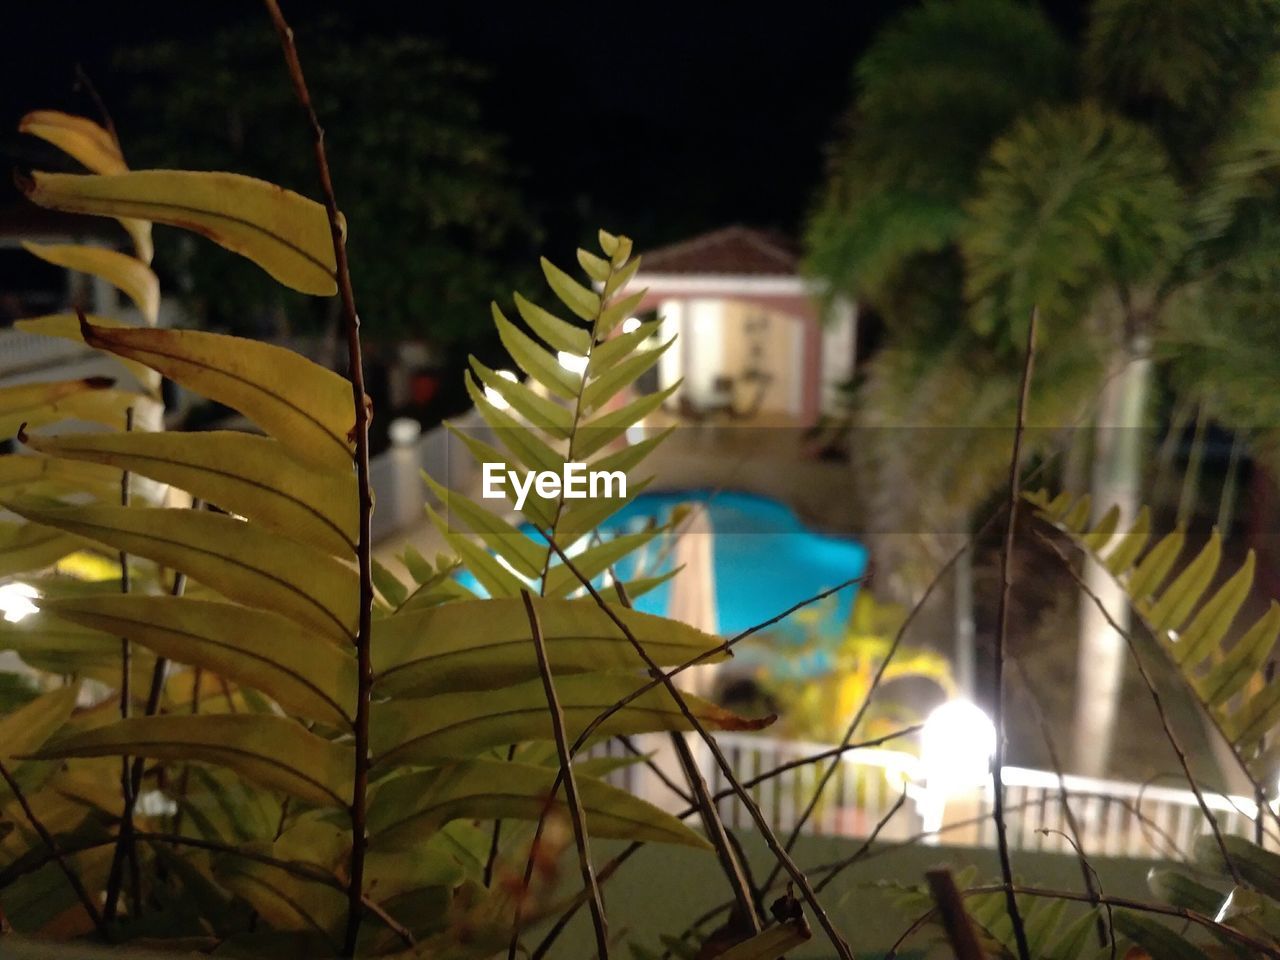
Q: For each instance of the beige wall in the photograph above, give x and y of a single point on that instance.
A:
(781, 341)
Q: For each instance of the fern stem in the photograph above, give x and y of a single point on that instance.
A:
(1106, 930)
(124, 846)
(876, 680)
(364, 547)
(611, 867)
(1002, 630)
(955, 919)
(54, 851)
(705, 655)
(580, 837)
(753, 810)
(661, 677)
(495, 839)
(629, 745)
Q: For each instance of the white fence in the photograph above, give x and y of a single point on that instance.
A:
(1114, 818)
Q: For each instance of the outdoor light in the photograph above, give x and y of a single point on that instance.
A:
(956, 746)
(404, 431)
(572, 362)
(496, 398)
(15, 601)
(631, 325)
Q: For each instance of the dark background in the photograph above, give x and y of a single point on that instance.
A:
(658, 119)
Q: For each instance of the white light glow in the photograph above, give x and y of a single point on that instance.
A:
(572, 362)
(404, 431)
(631, 325)
(15, 601)
(496, 398)
(956, 746)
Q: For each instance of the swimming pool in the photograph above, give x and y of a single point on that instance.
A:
(765, 558)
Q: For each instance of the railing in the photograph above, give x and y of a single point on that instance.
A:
(1114, 818)
(22, 354)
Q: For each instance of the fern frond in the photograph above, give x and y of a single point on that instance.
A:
(1191, 619)
(572, 408)
(1051, 934)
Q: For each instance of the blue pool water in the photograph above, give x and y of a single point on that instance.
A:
(765, 559)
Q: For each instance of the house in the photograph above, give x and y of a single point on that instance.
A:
(755, 338)
(30, 287)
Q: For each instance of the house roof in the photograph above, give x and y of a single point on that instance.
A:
(732, 251)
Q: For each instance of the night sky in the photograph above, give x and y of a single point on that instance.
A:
(658, 119)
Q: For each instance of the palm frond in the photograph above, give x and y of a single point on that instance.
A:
(1071, 201)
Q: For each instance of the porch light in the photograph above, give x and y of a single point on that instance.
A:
(572, 362)
(15, 601)
(404, 431)
(956, 746)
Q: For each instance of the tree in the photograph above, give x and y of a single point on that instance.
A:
(1124, 188)
(435, 214)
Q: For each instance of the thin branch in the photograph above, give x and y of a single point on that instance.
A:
(629, 745)
(1093, 885)
(865, 705)
(135, 770)
(612, 866)
(839, 866)
(1142, 906)
(883, 822)
(1088, 874)
(1155, 699)
(705, 656)
(197, 680)
(355, 363)
(870, 839)
(955, 919)
(728, 852)
(159, 674)
(495, 839)
(703, 804)
(83, 80)
(124, 851)
(1002, 630)
(894, 646)
(753, 810)
(576, 816)
(55, 851)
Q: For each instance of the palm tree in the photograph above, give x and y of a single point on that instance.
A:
(1127, 187)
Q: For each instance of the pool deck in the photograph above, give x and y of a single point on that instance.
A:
(771, 460)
